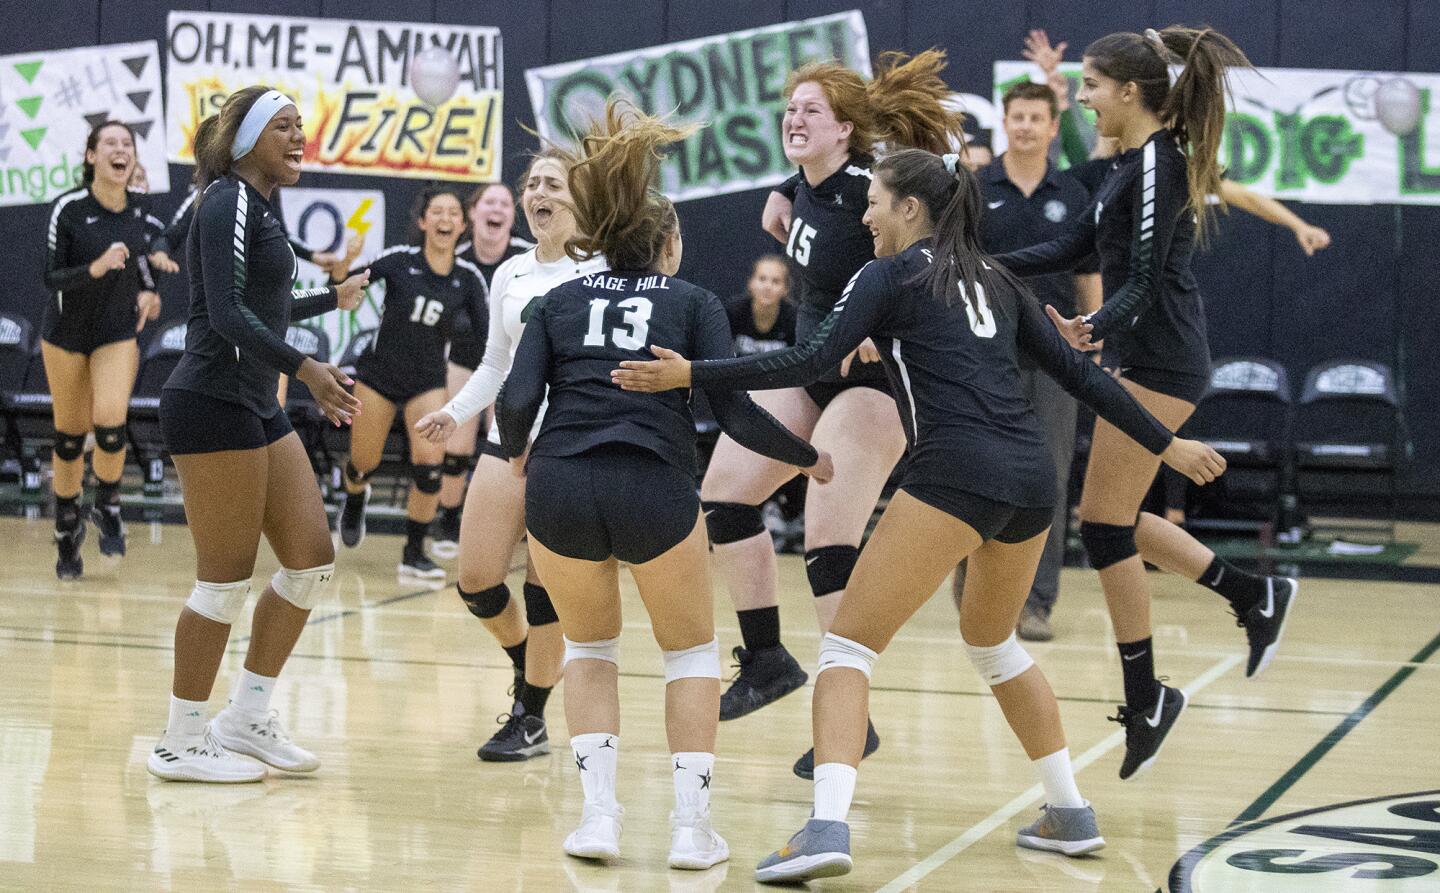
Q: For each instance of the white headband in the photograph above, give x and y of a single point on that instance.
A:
(266, 107)
(951, 160)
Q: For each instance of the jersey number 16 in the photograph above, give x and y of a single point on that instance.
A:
(630, 336)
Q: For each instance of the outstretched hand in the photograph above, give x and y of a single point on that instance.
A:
(668, 372)
(1076, 330)
(1197, 461)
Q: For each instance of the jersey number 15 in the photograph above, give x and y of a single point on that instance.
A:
(631, 335)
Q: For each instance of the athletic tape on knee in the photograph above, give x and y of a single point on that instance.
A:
(220, 602)
(68, 447)
(456, 463)
(731, 522)
(700, 662)
(486, 603)
(109, 438)
(426, 478)
(998, 664)
(602, 649)
(539, 610)
(302, 588)
(1107, 544)
(354, 475)
(838, 651)
(829, 568)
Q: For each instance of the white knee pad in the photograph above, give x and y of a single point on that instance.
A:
(998, 664)
(838, 651)
(700, 662)
(302, 588)
(220, 602)
(603, 649)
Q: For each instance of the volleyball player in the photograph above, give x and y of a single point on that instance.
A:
(243, 470)
(980, 484)
(612, 477)
(494, 520)
(1143, 226)
(403, 368)
(833, 120)
(103, 294)
(491, 209)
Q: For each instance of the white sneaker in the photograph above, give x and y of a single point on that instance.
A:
(598, 836)
(262, 737)
(203, 759)
(694, 845)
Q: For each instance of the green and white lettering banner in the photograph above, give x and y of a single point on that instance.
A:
(1319, 135)
(732, 83)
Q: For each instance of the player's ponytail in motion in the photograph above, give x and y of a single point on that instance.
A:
(203, 132)
(614, 177)
(212, 144)
(1194, 107)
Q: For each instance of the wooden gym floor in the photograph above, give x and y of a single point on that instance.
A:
(395, 688)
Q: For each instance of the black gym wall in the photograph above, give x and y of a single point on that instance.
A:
(1264, 296)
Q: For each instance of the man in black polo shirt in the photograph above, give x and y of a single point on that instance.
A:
(1028, 200)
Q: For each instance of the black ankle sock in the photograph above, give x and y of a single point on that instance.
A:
(67, 513)
(1242, 590)
(760, 627)
(1137, 661)
(533, 699)
(107, 494)
(415, 534)
(449, 514)
(517, 653)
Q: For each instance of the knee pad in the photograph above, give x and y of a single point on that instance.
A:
(426, 478)
(829, 567)
(456, 463)
(302, 588)
(603, 649)
(838, 651)
(1107, 544)
(700, 662)
(998, 664)
(220, 602)
(110, 439)
(539, 610)
(69, 447)
(354, 475)
(731, 522)
(486, 603)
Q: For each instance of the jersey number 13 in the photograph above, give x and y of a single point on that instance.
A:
(631, 335)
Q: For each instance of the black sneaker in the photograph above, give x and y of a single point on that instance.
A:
(416, 565)
(445, 534)
(521, 737)
(69, 565)
(1145, 732)
(766, 675)
(805, 766)
(112, 529)
(1264, 623)
(350, 523)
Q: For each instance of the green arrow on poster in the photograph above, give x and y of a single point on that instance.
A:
(30, 105)
(28, 70)
(33, 136)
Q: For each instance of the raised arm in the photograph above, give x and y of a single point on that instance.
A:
(308, 302)
(1311, 238)
(484, 383)
(519, 400)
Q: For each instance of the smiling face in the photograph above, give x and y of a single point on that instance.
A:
(768, 283)
(811, 130)
(1112, 102)
(889, 218)
(281, 145)
(113, 156)
(546, 201)
(493, 215)
(442, 222)
(1029, 126)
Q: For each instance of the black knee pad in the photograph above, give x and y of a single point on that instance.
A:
(1107, 544)
(829, 567)
(353, 474)
(110, 439)
(538, 608)
(69, 447)
(456, 463)
(731, 522)
(426, 478)
(486, 603)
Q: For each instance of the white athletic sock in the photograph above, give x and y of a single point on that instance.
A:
(595, 756)
(251, 694)
(187, 719)
(692, 771)
(834, 787)
(1058, 779)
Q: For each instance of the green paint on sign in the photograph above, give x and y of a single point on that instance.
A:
(30, 105)
(28, 70)
(33, 136)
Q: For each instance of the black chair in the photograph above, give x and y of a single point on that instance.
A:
(1349, 443)
(146, 442)
(17, 343)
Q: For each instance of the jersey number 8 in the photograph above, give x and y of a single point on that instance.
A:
(632, 335)
(427, 311)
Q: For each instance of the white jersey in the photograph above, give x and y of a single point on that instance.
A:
(517, 284)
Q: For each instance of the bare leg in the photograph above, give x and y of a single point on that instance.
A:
(112, 375)
(69, 376)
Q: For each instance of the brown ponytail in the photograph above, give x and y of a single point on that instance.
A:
(907, 98)
(212, 145)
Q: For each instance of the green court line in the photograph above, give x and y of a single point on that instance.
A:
(1327, 744)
